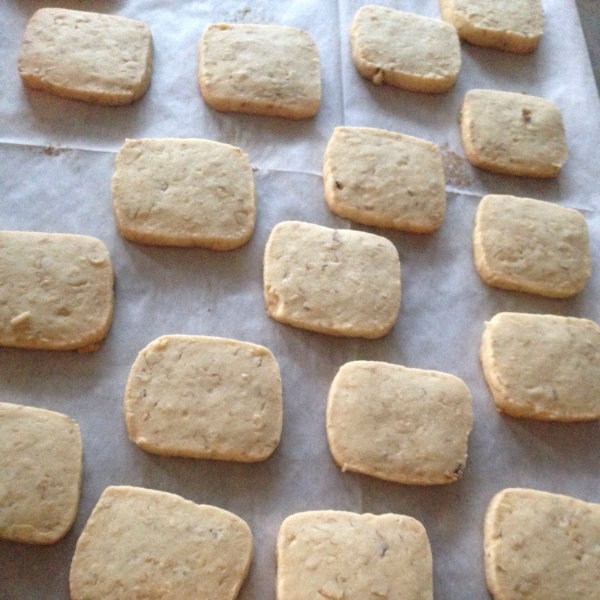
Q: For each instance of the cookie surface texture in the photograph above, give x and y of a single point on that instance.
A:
(385, 179)
(543, 366)
(40, 462)
(87, 56)
(541, 546)
(514, 26)
(260, 69)
(334, 281)
(141, 543)
(204, 397)
(531, 246)
(57, 291)
(184, 192)
(513, 134)
(341, 555)
(405, 425)
(405, 50)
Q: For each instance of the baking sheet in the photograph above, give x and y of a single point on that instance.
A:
(56, 161)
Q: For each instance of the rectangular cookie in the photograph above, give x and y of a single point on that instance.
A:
(40, 466)
(204, 397)
(513, 134)
(385, 179)
(514, 26)
(141, 543)
(405, 425)
(103, 59)
(543, 367)
(56, 291)
(338, 555)
(184, 192)
(333, 281)
(260, 69)
(531, 246)
(541, 546)
(405, 50)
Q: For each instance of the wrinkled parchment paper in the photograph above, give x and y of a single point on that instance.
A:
(56, 162)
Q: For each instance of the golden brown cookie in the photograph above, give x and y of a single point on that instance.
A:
(405, 425)
(543, 366)
(57, 291)
(514, 26)
(531, 246)
(513, 134)
(141, 543)
(405, 50)
(338, 555)
(260, 69)
(541, 546)
(40, 467)
(184, 192)
(103, 59)
(386, 179)
(204, 397)
(333, 281)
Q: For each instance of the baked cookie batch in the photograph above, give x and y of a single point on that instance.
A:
(215, 398)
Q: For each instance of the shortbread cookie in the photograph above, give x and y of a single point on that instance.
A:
(405, 50)
(40, 467)
(338, 555)
(543, 366)
(260, 69)
(399, 424)
(204, 397)
(332, 281)
(513, 134)
(531, 246)
(141, 543)
(542, 546)
(87, 56)
(176, 192)
(385, 179)
(514, 26)
(56, 291)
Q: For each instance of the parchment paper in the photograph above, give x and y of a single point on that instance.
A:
(56, 162)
